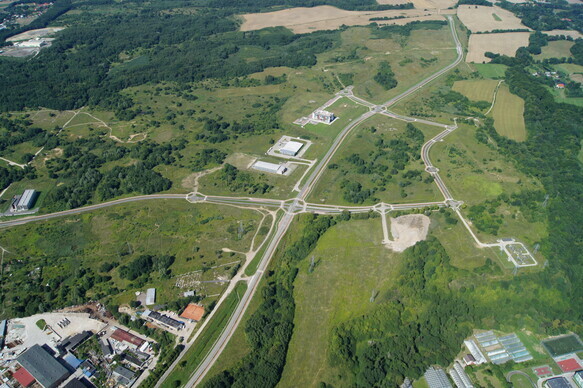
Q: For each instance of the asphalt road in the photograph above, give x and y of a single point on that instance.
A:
(285, 222)
(26, 220)
(431, 168)
(291, 207)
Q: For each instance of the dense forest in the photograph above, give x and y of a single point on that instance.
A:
(83, 64)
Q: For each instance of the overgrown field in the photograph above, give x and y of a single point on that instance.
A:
(109, 254)
(482, 90)
(379, 162)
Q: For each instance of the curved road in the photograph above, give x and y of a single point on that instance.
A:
(285, 221)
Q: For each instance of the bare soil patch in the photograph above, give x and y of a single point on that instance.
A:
(407, 231)
(40, 33)
(500, 43)
(303, 20)
(478, 18)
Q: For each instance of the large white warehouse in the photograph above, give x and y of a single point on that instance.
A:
(271, 168)
(291, 148)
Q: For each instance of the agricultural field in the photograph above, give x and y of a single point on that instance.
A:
(505, 43)
(573, 34)
(490, 70)
(556, 49)
(479, 18)
(325, 17)
(477, 90)
(508, 113)
(573, 71)
(75, 252)
(363, 171)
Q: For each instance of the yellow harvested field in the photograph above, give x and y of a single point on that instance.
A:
(571, 33)
(479, 18)
(508, 114)
(325, 17)
(40, 33)
(500, 43)
(476, 90)
(422, 4)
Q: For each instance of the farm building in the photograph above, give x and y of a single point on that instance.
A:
(291, 148)
(163, 320)
(271, 168)
(150, 296)
(45, 369)
(26, 200)
(193, 312)
(323, 116)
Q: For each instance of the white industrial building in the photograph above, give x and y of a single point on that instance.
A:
(323, 116)
(271, 168)
(291, 148)
(37, 42)
(150, 296)
(26, 200)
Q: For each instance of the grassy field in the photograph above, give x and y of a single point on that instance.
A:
(351, 263)
(194, 234)
(560, 96)
(487, 70)
(458, 243)
(520, 381)
(362, 142)
(556, 49)
(477, 90)
(475, 173)
(411, 58)
(508, 115)
(205, 341)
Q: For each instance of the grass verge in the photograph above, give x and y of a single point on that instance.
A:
(203, 344)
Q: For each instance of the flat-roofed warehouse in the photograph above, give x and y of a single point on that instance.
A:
(27, 200)
(271, 168)
(46, 370)
(291, 148)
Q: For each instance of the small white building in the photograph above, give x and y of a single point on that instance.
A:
(323, 116)
(291, 148)
(150, 296)
(37, 42)
(271, 168)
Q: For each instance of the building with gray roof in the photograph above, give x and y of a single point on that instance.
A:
(45, 368)
(436, 378)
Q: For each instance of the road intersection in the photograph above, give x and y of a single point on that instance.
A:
(293, 206)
